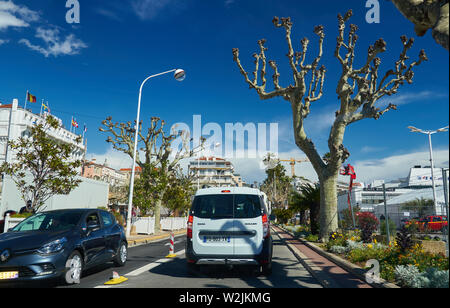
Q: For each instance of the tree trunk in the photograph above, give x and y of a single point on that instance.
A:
(303, 220)
(328, 205)
(157, 214)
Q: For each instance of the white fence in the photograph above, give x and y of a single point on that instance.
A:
(11, 222)
(144, 225)
(173, 223)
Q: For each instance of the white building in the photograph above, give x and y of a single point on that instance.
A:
(16, 122)
(214, 172)
(416, 185)
(396, 211)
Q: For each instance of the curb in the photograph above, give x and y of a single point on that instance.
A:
(154, 238)
(359, 272)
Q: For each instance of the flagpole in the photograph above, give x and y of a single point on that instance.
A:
(71, 124)
(84, 130)
(42, 104)
(26, 98)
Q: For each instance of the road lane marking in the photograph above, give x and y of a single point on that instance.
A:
(144, 269)
(150, 266)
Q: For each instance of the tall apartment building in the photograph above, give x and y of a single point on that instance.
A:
(214, 172)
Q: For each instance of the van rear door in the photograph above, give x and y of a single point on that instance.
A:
(248, 226)
(212, 227)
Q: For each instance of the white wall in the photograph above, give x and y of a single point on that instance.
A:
(89, 194)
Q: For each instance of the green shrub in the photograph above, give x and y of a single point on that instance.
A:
(411, 277)
(392, 227)
(312, 238)
(23, 215)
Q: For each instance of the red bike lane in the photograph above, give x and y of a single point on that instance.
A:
(337, 275)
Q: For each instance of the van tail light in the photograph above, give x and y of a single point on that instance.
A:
(189, 226)
(266, 226)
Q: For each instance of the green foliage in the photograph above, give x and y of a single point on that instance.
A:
(47, 160)
(312, 238)
(392, 227)
(346, 215)
(23, 215)
(309, 197)
(177, 197)
(282, 215)
(277, 185)
(422, 206)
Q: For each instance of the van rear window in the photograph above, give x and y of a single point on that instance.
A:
(227, 206)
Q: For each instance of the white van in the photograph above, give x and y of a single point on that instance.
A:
(230, 226)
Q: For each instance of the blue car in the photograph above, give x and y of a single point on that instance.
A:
(61, 244)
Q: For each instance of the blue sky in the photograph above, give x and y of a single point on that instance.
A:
(94, 69)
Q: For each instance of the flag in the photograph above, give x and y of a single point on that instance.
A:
(46, 107)
(31, 98)
(85, 128)
(74, 123)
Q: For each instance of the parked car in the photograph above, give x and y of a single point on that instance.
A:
(229, 226)
(2, 222)
(61, 244)
(433, 223)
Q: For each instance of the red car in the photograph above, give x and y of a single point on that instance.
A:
(433, 223)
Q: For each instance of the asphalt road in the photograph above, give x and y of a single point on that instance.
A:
(147, 267)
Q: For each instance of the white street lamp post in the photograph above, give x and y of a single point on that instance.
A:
(179, 75)
(429, 133)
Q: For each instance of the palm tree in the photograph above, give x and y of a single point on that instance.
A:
(309, 197)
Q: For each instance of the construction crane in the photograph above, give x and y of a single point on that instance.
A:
(292, 162)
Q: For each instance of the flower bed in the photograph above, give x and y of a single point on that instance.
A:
(413, 267)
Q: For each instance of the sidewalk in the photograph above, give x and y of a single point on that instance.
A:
(140, 239)
(328, 273)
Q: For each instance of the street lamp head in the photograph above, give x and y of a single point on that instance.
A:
(443, 129)
(179, 75)
(414, 129)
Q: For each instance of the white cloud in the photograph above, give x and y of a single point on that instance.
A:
(410, 97)
(3, 42)
(54, 44)
(114, 158)
(369, 149)
(108, 13)
(12, 15)
(397, 166)
(149, 9)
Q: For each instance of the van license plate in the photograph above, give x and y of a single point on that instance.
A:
(216, 239)
(9, 275)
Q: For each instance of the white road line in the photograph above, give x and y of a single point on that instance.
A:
(144, 268)
(150, 266)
